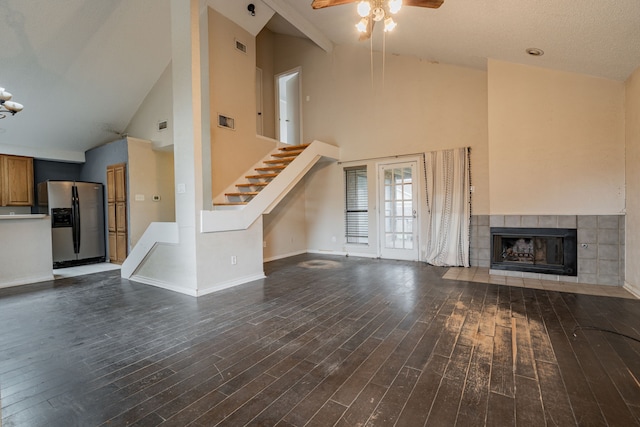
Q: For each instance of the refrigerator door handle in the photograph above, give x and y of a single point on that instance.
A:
(75, 204)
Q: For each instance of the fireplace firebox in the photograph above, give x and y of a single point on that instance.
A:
(535, 250)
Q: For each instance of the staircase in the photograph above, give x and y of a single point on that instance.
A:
(264, 175)
(264, 187)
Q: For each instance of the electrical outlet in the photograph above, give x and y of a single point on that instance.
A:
(234, 260)
(264, 243)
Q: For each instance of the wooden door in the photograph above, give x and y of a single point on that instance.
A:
(117, 212)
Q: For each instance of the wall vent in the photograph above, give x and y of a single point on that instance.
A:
(226, 122)
(241, 46)
(162, 125)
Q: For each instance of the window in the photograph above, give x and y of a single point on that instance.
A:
(357, 205)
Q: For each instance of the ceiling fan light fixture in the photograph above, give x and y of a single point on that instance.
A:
(394, 6)
(389, 24)
(362, 25)
(378, 14)
(364, 8)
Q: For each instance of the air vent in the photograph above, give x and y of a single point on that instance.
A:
(162, 125)
(226, 122)
(241, 46)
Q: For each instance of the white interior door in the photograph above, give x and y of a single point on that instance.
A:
(289, 115)
(398, 211)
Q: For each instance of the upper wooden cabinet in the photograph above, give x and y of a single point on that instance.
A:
(16, 181)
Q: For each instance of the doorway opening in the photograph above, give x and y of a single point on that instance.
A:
(288, 107)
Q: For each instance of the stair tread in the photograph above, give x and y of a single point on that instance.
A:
(230, 203)
(279, 160)
(288, 153)
(295, 147)
(270, 168)
(262, 175)
(252, 184)
(243, 193)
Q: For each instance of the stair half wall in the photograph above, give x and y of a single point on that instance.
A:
(241, 217)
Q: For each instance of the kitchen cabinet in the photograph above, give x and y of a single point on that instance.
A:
(16, 181)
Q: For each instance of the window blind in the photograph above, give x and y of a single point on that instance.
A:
(356, 205)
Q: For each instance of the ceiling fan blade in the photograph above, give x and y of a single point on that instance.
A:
(319, 4)
(433, 4)
(367, 34)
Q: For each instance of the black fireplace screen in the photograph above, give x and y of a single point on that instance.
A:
(539, 250)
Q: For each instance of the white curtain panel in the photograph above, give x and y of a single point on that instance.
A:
(448, 181)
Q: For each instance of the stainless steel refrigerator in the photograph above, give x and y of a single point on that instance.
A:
(77, 220)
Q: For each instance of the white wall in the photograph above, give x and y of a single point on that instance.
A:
(556, 142)
(156, 107)
(25, 252)
(632, 226)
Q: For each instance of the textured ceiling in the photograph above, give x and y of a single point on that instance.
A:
(83, 67)
(595, 37)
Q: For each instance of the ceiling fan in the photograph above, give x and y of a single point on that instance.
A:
(373, 11)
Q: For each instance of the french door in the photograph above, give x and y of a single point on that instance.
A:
(398, 210)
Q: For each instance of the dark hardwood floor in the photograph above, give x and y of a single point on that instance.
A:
(321, 341)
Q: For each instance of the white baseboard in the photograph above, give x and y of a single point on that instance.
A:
(342, 253)
(163, 285)
(632, 289)
(27, 281)
(194, 292)
(290, 254)
(230, 284)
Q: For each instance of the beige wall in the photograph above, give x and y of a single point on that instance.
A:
(150, 173)
(265, 44)
(556, 142)
(285, 227)
(632, 226)
(422, 107)
(232, 93)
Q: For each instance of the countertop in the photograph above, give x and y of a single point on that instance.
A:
(23, 216)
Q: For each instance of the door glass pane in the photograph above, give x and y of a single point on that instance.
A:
(398, 208)
(408, 243)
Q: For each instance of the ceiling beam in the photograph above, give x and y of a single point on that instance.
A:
(301, 23)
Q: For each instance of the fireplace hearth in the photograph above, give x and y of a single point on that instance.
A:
(535, 250)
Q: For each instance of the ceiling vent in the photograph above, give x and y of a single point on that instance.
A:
(241, 46)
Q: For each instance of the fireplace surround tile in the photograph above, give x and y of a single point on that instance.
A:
(496, 220)
(587, 236)
(609, 252)
(529, 221)
(512, 221)
(608, 221)
(548, 221)
(587, 221)
(608, 236)
(567, 221)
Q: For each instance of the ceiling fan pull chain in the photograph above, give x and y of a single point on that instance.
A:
(371, 56)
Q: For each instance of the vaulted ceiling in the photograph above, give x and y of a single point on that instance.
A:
(83, 67)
